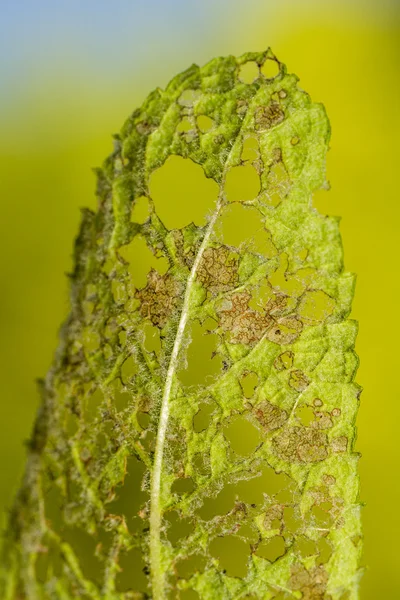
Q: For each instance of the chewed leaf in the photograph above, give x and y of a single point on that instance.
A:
(196, 433)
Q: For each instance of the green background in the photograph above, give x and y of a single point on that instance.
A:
(71, 74)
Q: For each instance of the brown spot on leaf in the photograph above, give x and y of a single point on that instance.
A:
(339, 444)
(329, 479)
(218, 270)
(245, 326)
(270, 416)
(285, 330)
(241, 107)
(268, 116)
(322, 420)
(277, 304)
(312, 584)
(145, 128)
(298, 381)
(159, 298)
(185, 254)
(301, 444)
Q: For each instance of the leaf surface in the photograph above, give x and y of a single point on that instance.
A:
(195, 438)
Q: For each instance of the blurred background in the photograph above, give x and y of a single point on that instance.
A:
(72, 71)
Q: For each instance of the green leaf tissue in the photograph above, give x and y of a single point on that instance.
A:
(196, 429)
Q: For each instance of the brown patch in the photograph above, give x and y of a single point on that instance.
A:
(312, 584)
(246, 326)
(339, 444)
(186, 255)
(285, 330)
(267, 117)
(277, 304)
(329, 479)
(322, 420)
(145, 128)
(298, 381)
(218, 270)
(241, 107)
(270, 416)
(301, 444)
(159, 298)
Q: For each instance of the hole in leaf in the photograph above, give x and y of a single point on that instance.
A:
(188, 566)
(53, 502)
(184, 126)
(121, 398)
(278, 185)
(188, 595)
(189, 97)
(243, 436)
(232, 554)
(91, 406)
(250, 149)
(242, 183)
(249, 383)
(249, 72)
(131, 577)
(220, 505)
(204, 123)
(270, 68)
(202, 418)
(324, 551)
(305, 546)
(305, 414)
(292, 523)
(149, 441)
(260, 296)
(321, 515)
(48, 564)
(128, 369)
(201, 361)
(315, 306)
(242, 226)
(152, 340)
(250, 532)
(84, 547)
(284, 361)
(182, 193)
(130, 496)
(140, 210)
(273, 484)
(143, 419)
(201, 463)
(272, 549)
(178, 528)
(183, 485)
(141, 260)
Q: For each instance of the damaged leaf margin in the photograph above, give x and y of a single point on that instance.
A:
(279, 317)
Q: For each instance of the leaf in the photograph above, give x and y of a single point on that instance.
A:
(195, 438)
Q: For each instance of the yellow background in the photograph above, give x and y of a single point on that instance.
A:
(57, 111)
